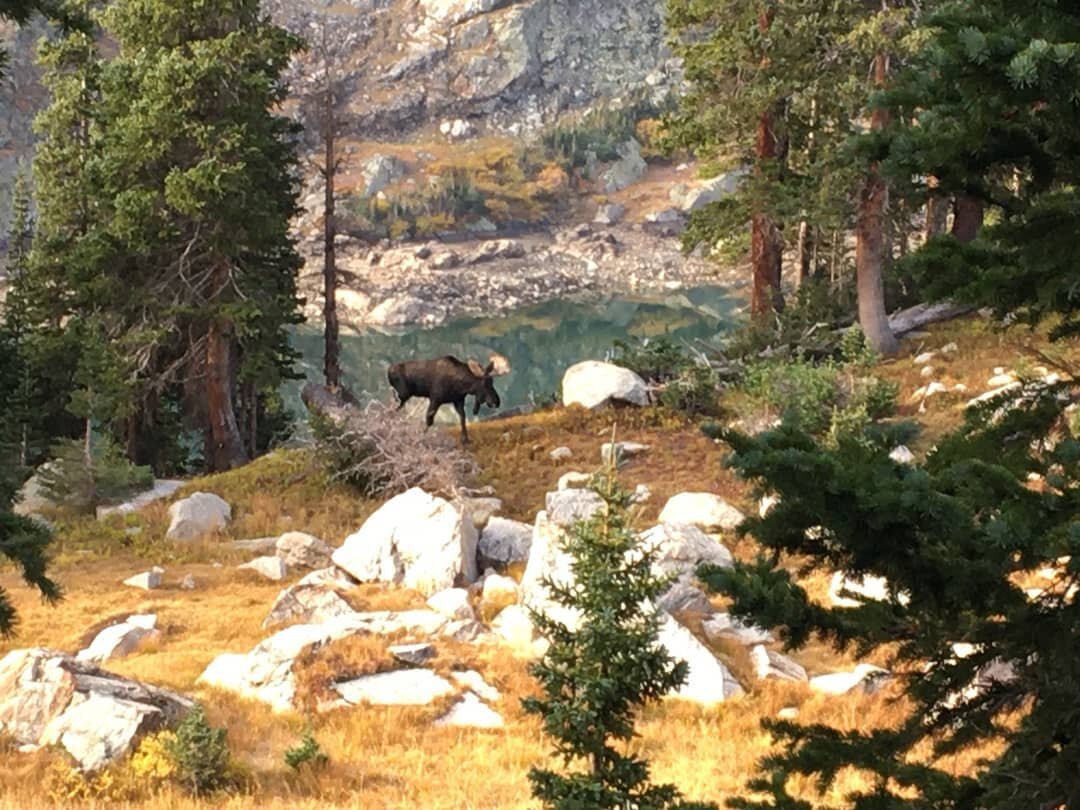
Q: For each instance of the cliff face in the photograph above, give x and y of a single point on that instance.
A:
(408, 66)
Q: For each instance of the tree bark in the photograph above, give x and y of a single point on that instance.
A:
(331, 362)
(766, 244)
(937, 211)
(226, 447)
(870, 242)
(806, 252)
(967, 217)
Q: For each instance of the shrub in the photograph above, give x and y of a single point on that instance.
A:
(655, 361)
(308, 752)
(693, 392)
(200, 753)
(685, 385)
(70, 482)
(380, 452)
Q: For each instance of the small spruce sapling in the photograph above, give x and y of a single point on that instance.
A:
(597, 676)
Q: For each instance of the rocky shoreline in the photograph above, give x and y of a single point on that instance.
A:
(411, 285)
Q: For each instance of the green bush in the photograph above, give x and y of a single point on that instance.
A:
(70, 482)
(693, 392)
(685, 384)
(307, 752)
(201, 753)
(597, 134)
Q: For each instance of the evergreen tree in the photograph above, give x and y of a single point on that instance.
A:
(597, 675)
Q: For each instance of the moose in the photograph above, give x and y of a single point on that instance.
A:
(448, 380)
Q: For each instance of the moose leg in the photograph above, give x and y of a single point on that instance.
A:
(432, 409)
(459, 406)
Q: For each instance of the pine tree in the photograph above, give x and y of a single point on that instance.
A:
(597, 675)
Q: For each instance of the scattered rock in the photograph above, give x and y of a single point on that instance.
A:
(642, 494)
(561, 454)
(726, 626)
(161, 489)
(378, 172)
(788, 713)
(681, 548)
(866, 677)
(413, 654)
(609, 214)
(50, 698)
(470, 711)
(404, 687)
(119, 640)
(628, 169)
(593, 383)
(148, 580)
(481, 510)
(924, 358)
(310, 600)
(515, 627)
(713, 190)
(683, 597)
(869, 587)
(452, 603)
(499, 589)
(414, 539)
(471, 679)
(708, 680)
(770, 664)
(901, 455)
(665, 216)
(949, 348)
(702, 509)
(565, 507)
(574, 480)
(620, 451)
(258, 545)
(457, 130)
(196, 516)
(188, 583)
(299, 550)
(273, 568)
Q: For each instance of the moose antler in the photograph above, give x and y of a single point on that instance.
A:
(475, 368)
(500, 365)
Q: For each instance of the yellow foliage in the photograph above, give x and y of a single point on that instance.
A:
(553, 179)
(151, 760)
(65, 784)
(649, 132)
(431, 224)
(398, 228)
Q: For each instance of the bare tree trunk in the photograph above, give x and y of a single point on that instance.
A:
(870, 242)
(766, 245)
(937, 211)
(967, 217)
(332, 362)
(226, 448)
(253, 419)
(805, 260)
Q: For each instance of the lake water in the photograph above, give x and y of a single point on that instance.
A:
(541, 342)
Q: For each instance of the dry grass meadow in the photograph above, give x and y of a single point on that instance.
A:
(394, 757)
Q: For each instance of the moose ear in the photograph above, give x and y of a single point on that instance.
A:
(476, 368)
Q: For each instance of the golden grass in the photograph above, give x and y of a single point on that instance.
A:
(394, 757)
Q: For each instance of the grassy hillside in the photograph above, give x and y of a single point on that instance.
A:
(395, 757)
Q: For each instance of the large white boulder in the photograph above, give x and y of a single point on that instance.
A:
(308, 602)
(452, 603)
(708, 680)
(471, 712)
(845, 591)
(865, 677)
(503, 542)
(414, 539)
(162, 488)
(593, 383)
(50, 698)
(404, 687)
(725, 626)
(196, 516)
(702, 509)
(273, 568)
(771, 664)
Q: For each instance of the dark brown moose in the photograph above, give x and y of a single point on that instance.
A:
(448, 380)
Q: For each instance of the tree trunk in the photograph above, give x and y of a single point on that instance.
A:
(870, 241)
(806, 252)
(331, 360)
(967, 217)
(937, 211)
(766, 244)
(226, 448)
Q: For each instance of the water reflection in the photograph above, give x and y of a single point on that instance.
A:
(541, 341)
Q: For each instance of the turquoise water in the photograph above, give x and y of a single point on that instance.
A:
(541, 341)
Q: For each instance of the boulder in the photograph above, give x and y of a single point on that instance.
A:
(196, 516)
(593, 383)
(708, 680)
(503, 542)
(726, 626)
(866, 588)
(619, 452)
(702, 509)
(499, 589)
(565, 507)
(187, 583)
(665, 216)
(51, 698)
(683, 597)
(471, 712)
(300, 550)
(609, 214)
(902, 455)
(32, 500)
(404, 687)
(627, 170)
(273, 568)
(770, 664)
(712, 190)
(312, 602)
(161, 489)
(413, 654)
(452, 603)
(681, 548)
(865, 677)
(574, 480)
(147, 581)
(481, 510)
(414, 539)
(642, 494)
(378, 172)
(121, 639)
(514, 626)
(561, 454)
(471, 679)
